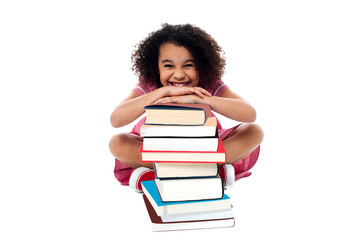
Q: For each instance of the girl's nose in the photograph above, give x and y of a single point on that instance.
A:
(179, 74)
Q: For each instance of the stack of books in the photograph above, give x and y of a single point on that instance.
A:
(183, 143)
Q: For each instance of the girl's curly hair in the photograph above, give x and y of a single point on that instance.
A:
(207, 54)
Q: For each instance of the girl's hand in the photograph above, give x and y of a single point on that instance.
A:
(178, 91)
(191, 98)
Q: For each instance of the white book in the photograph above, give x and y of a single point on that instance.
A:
(167, 208)
(191, 225)
(189, 189)
(210, 215)
(180, 144)
(158, 224)
(184, 170)
(206, 130)
(218, 156)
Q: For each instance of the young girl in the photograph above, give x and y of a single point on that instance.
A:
(183, 64)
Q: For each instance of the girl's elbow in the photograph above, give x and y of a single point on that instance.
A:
(113, 122)
(254, 115)
(251, 116)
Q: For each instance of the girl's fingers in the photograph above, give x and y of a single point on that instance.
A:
(203, 91)
(164, 100)
(199, 93)
(179, 91)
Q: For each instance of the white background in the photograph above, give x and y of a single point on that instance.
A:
(65, 65)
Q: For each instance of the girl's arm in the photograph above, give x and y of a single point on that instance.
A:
(132, 106)
(229, 104)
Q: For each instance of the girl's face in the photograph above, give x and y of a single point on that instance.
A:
(176, 66)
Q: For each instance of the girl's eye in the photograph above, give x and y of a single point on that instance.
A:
(189, 65)
(168, 66)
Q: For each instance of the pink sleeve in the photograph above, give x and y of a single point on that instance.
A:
(142, 88)
(218, 89)
(136, 128)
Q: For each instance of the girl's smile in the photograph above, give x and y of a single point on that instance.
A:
(176, 66)
(179, 84)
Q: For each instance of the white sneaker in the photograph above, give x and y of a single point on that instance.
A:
(227, 173)
(138, 175)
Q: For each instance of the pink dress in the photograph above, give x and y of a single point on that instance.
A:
(122, 172)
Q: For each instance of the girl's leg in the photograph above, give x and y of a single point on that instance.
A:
(242, 141)
(126, 148)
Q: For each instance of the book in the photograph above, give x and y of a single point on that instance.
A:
(208, 129)
(209, 215)
(166, 170)
(218, 156)
(177, 114)
(189, 189)
(167, 208)
(181, 221)
(180, 143)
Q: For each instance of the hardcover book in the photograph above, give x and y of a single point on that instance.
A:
(209, 215)
(181, 222)
(181, 143)
(165, 208)
(206, 130)
(166, 170)
(218, 156)
(177, 114)
(189, 189)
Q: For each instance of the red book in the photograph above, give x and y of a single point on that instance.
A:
(218, 156)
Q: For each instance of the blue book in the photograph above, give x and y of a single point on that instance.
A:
(165, 208)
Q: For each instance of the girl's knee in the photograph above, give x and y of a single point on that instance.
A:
(116, 143)
(257, 132)
(253, 132)
(125, 143)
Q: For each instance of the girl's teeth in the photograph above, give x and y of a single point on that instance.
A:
(179, 84)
